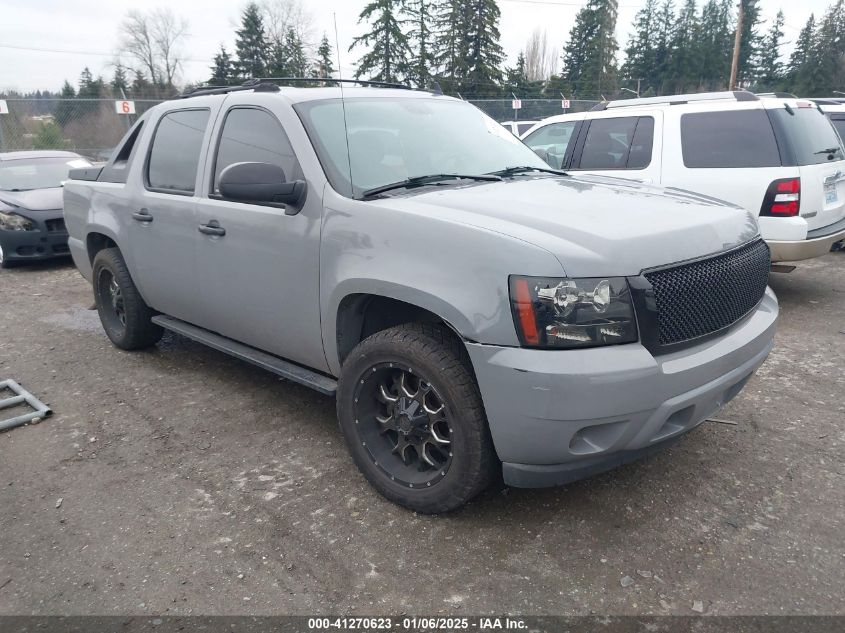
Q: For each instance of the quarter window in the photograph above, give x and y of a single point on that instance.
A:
(728, 139)
(619, 143)
(251, 135)
(175, 152)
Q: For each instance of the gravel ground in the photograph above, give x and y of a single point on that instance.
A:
(192, 483)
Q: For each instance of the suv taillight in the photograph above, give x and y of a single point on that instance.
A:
(783, 198)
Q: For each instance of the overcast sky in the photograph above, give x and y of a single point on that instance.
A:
(78, 33)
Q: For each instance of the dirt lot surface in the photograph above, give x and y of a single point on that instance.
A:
(181, 481)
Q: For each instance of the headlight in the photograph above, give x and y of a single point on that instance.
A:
(566, 313)
(15, 222)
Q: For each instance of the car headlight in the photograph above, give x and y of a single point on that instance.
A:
(567, 313)
(15, 222)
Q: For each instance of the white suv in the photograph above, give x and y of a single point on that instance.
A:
(780, 158)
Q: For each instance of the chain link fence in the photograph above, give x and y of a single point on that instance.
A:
(531, 110)
(92, 127)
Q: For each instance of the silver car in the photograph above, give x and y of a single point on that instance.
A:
(472, 310)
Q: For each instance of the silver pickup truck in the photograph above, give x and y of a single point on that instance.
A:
(473, 311)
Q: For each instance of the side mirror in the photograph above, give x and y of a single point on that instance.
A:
(262, 183)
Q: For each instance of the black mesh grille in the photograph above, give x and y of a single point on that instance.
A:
(705, 296)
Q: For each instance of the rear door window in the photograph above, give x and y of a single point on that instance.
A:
(555, 140)
(175, 152)
(728, 139)
(809, 135)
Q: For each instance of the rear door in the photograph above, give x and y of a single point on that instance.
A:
(621, 146)
(162, 215)
(813, 144)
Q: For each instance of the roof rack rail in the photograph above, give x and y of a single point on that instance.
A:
(271, 84)
(735, 95)
(778, 95)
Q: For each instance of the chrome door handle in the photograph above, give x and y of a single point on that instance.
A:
(143, 215)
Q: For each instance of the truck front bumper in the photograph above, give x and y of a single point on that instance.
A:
(557, 416)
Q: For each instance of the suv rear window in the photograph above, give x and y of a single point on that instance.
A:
(728, 139)
(175, 153)
(808, 134)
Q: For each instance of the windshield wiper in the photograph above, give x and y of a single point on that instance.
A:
(829, 150)
(418, 181)
(512, 171)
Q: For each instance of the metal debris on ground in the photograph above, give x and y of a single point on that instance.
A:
(22, 396)
(719, 421)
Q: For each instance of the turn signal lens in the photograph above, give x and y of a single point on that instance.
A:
(569, 313)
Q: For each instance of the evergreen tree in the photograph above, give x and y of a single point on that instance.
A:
(119, 83)
(770, 68)
(297, 60)
(141, 86)
(484, 53)
(799, 62)
(387, 59)
(251, 44)
(715, 45)
(589, 57)
(641, 53)
(516, 81)
(66, 108)
(665, 30)
(825, 70)
(684, 61)
(449, 43)
(222, 72)
(420, 35)
(750, 45)
(325, 67)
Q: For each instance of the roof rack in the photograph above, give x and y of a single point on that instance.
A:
(735, 95)
(778, 95)
(271, 84)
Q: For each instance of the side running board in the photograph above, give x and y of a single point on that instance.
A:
(286, 369)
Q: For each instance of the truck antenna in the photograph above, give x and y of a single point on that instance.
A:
(343, 106)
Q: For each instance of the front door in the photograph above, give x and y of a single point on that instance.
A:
(259, 272)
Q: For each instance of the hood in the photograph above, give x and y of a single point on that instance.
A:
(33, 200)
(594, 225)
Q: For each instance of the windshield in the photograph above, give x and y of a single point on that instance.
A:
(391, 140)
(810, 134)
(37, 173)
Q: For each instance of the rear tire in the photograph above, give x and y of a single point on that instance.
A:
(123, 313)
(411, 413)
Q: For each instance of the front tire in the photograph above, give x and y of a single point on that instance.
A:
(123, 313)
(411, 413)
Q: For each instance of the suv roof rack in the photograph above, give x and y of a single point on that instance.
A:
(779, 95)
(271, 84)
(828, 100)
(735, 95)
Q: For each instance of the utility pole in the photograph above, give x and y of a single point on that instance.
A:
(737, 44)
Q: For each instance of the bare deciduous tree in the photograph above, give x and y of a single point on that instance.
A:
(282, 15)
(540, 60)
(153, 40)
